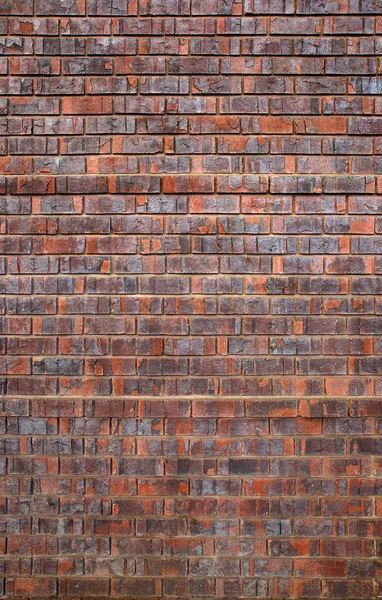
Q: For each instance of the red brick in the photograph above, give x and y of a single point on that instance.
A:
(189, 299)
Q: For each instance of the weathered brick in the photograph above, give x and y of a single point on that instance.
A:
(190, 327)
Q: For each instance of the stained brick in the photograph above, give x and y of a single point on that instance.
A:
(190, 330)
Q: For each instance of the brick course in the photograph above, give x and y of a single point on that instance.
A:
(190, 312)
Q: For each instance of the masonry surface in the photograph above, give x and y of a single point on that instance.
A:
(190, 299)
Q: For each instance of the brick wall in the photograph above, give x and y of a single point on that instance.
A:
(190, 299)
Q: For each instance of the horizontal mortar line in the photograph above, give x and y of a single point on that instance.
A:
(290, 496)
(159, 555)
(163, 437)
(196, 174)
(192, 437)
(191, 456)
(193, 398)
(189, 437)
(246, 15)
(155, 556)
(121, 578)
(196, 115)
(242, 154)
(185, 74)
(194, 517)
(192, 34)
(189, 537)
(225, 355)
(191, 376)
(155, 516)
(194, 537)
(189, 497)
(245, 498)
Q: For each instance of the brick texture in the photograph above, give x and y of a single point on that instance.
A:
(190, 299)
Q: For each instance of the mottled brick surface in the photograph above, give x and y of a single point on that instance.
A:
(190, 299)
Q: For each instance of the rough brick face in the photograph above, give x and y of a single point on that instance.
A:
(190, 299)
